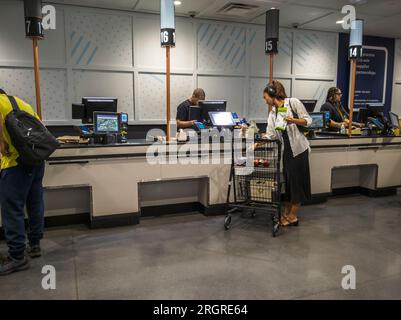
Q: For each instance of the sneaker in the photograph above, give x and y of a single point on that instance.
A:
(10, 265)
(34, 251)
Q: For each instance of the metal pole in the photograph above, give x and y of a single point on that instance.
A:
(37, 78)
(352, 97)
(271, 56)
(168, 95)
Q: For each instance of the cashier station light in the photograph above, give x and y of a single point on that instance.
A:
(272, 37)
(356, 39)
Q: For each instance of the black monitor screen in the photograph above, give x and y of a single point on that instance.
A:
(101, 104)
(211, 106)
(375, 109)
(309, 105)
(363, 115)
(395, 121)
(318, 120)
(194, 113)
(106, 122)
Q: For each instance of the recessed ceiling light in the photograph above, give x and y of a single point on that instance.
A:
(340, 22)
(177, 3)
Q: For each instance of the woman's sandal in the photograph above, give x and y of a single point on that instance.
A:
(289, 223)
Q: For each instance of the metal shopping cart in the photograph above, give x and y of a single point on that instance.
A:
(256, 186)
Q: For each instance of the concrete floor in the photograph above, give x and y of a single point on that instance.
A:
(191, 257)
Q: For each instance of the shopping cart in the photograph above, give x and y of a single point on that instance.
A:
(256, 186)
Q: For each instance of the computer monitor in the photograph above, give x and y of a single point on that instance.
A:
(318, 120)
(375, 109)
(222, 119)
(101, 104)
(363, 115)
(310, 105)
(194, 113)
(395, 121)
(211, 106)
(106, 122)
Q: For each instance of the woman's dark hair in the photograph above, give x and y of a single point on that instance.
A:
(331, 95)
(275, 90)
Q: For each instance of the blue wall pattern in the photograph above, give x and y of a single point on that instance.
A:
(101, 39)
(258, 58)
(221, 47)
(82, 48)
(315, 53)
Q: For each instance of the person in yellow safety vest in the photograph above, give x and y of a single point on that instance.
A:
(20, 186)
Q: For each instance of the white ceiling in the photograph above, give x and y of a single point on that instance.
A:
(382, 17)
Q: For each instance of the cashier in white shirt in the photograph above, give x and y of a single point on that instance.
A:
(296, 149)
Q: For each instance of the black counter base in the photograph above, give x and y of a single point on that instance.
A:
(113, 221)
(381, 192)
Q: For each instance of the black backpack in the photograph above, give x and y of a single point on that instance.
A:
(29, 136)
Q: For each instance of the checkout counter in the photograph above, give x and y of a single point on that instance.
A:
(113, 175)
(114, 181)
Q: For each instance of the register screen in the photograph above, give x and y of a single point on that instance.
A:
(107, 123)
(222, 119)
(317, 120)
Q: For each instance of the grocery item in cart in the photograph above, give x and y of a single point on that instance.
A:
(261, 189)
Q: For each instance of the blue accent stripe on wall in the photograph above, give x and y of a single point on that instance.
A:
(205, 33)
(212, 36)
(229, 52)
(239, 34)
(282, 49)
(224, 47)
(92, 56)
(83, 52)
(77, 44)
(306, 44)
(252, 38)
(217, 41)
(235, 55)
(240, 60)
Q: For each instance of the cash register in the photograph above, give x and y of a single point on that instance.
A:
(101, 123)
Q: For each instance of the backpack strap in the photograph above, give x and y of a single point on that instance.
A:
(14, 103)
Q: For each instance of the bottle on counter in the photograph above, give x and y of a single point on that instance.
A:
(343, 130)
